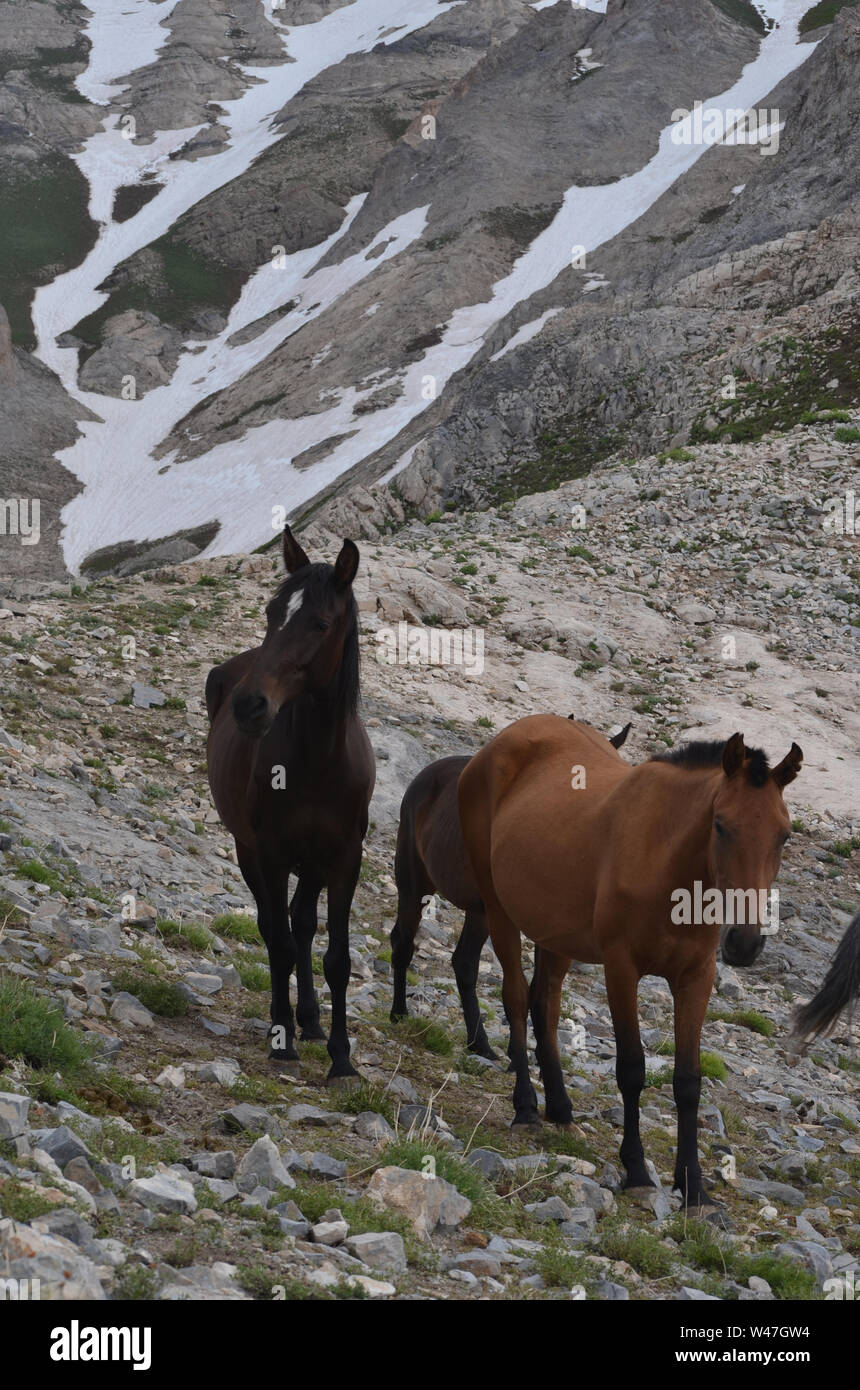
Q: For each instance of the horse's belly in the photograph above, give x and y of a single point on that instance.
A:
(551, 904)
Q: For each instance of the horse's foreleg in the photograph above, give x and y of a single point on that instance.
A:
(268, 886)
(622, 984)
(303, 919)
(466, 958)
(549, 975)
(691, 992)
(336, 962)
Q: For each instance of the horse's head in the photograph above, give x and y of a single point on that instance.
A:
(308, 624)
(749, 828)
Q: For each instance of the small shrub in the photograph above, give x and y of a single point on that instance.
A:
(423, 1031)
(161, 997)
(237, 925)
(33, 1029)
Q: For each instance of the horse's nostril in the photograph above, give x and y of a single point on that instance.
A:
(248, 706)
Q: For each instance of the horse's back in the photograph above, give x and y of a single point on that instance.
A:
(541, 753)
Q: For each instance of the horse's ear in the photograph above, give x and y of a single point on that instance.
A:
(346, 565)
(733, 755)
(787, 770)
(294, 557)
(618, 740)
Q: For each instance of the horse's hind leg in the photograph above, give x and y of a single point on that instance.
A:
(413, 887)
(467, 955)
(303, 919)
(691, 992)
(336, 962)
(622, 985)
(268, 883)
(515, 993)
(550, 971)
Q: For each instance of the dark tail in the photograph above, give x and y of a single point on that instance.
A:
(840, 989)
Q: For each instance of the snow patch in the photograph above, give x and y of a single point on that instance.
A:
(526, 333)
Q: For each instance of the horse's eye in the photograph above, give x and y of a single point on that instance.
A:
(719, 827)
(320, 625)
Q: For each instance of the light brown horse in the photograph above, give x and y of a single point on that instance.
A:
(431, 858)
(587, 856)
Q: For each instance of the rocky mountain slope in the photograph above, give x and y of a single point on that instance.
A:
(301, 247)
(694, 592)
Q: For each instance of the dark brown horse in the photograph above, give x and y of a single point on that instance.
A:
(431, 858)
(598, 861)
(292, 771)
(841, 988)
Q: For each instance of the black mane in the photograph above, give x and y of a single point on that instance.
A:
(317, 582)
(704, 753)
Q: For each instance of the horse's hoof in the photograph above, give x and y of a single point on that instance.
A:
(529, 1118)
(483, 1050)
(567, 1126)
(312, 1034)
(638, 1185)
(289, 1064)
(701, 1206)
(343, 1081)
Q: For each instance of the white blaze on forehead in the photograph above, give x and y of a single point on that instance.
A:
(295, 603)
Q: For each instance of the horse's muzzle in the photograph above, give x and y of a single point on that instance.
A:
(741, 946)
(252, 713)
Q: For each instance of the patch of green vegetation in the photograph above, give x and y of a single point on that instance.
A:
(239, 926)
(10, 914)
(134, 1284)
(185, 284)
(313, 1199)
(520, 225)
(254, 976)
(37, 872)
(567, 451)
(644, 1251)
(23, 1203)
(45, 223)
(161, 997)
(425, 1155)
(33, 1029)
(702, 1247)
(355, 1100)
(198, 937)
(742, 11)
(559, 1268)
(822, 14)
(423, 1032)
(561, 1141)
(846, 434)
(795, 393)
(745, 1018)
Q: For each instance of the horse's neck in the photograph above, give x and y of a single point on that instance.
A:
(692, 801)
(317, 725)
